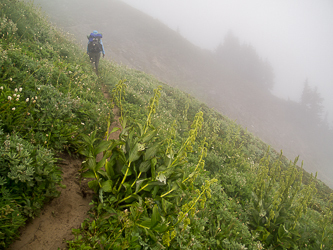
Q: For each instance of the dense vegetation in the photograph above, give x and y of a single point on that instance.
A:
(48, 95)
(180, 176)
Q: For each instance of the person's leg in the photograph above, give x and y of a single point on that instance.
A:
(98, 56)
(92, 59)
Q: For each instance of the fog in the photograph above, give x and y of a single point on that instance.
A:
(296, 36)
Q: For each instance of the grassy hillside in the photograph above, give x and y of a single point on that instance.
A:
(180, 176)
(48, 96)
(141, 42)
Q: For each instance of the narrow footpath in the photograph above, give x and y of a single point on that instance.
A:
(53, 227)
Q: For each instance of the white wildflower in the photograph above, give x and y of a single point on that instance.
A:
(161, 178)
(27, 99)
(9, 98)
(16, 89)
(20, 89)
(13, 108)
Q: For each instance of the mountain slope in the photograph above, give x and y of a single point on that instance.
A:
(152, 190)
(141, 42)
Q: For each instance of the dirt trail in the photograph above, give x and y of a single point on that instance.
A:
(54, 226)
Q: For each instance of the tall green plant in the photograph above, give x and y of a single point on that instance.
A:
(278, 200)
(326, 221)
(118, 96)
(137, 173)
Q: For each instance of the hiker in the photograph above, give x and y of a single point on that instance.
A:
(94, 48)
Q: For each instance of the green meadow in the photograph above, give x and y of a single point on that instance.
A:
(180, 176)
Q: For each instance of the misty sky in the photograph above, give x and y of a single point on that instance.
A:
(296, 36)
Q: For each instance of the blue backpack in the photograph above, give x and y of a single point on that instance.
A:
(94, 44)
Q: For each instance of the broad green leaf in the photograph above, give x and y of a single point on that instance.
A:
(124, 169)
(152, 236)
(161, 228)
(127, 188)
(115, 144)
(102, 146)
(93, 224)
(148, 136)
(88, 174)
(101, 163)
(144, 166)
(153, 184)
(168, 160)
(131, 140)
(166, 205)
(155, 217)
(139, 184)
(123, 125)
(160, 168)
(181, 185)
(131, 198)
(153, 163)
(87, 139)
(102, 173)
(93, 185)
(100, 196)
(155, 190)
(121, 156)
(91, 163)
(146, 223)
(107, 186)
(263, 231)
(117, 168)
(281, 231)
(133, 211)
(151, 151)
(156, 183)
(114, 130)
(135, 152)
(109, 168)
(140, 129)
(108, 154)
(86, 152)
(114, 189)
